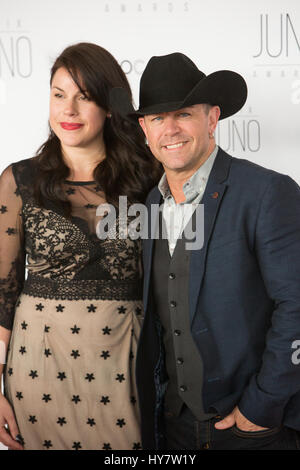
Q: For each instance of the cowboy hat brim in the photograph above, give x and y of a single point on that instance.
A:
(223, 88)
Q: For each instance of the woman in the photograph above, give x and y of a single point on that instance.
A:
(69, 377)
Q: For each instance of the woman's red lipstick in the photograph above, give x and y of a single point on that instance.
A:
(71, 126)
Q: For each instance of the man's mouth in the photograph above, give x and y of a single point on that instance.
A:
(174, 146)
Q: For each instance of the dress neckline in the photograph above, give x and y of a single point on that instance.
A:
(79, 183)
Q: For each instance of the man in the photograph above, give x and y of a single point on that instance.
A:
(215, 364)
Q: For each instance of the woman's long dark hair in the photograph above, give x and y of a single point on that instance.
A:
(129, 169)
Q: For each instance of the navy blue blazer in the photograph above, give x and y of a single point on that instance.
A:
(244, 299)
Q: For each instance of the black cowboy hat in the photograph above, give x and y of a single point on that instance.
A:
(173, 81)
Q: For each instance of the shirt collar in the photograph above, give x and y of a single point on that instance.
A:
(193, 186)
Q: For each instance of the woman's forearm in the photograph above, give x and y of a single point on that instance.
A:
(4, 341)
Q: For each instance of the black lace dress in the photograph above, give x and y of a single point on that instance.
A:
(75, 320)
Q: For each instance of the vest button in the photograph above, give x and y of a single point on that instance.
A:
(180, 360)
(173, 303)
(183, 388)
(177, 332)
(172, 276)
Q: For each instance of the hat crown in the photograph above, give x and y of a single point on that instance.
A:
(168, 78)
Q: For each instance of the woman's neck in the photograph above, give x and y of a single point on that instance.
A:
(82, 162)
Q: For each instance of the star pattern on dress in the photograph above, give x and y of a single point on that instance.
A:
(106, 446)
(133, 400)
(70, 191)
(138, 311)
(61, 421)
(76, 445)
(106, 330)
(91, 422)
(11, 231)
(76, 399)
(120, 377)
(105, 354)
(64, 239)
(61, 376)
(136, 446)
(33, 374)
(121, 422)
(91, 308)
(46, 397)
(75, 330)
(122, 309)
(47, 352)
(75, 353)
(89, 377)
(105, 400)
(48, 444)
(32, 419)
(60, 308)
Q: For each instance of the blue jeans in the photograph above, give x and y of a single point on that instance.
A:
(186, 433)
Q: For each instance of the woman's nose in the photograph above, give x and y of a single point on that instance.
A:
(70, 108)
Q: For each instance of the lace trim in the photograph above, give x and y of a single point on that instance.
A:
(37, 286)
(10, 288)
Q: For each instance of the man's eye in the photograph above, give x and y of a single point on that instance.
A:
(156, 118)
(184, 114)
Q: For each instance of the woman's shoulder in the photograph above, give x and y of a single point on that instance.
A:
(24, 171)
(18, 176)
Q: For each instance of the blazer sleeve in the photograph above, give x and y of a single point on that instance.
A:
(278, 253)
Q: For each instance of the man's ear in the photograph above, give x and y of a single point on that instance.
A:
(142, 124)
(215, 113)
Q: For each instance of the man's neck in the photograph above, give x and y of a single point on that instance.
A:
(177, 179)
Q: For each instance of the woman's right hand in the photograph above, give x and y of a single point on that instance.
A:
(8, 436)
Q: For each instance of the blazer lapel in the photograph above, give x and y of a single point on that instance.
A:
(212, 198)
(153, 218)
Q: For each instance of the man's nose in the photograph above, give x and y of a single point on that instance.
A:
(171, 126)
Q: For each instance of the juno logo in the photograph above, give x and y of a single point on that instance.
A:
(239, 134)
(15, 56)
(278, 37)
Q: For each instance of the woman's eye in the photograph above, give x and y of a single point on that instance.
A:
(58, 95)
(84, 98)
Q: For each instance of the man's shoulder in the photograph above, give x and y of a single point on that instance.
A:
(251, 174)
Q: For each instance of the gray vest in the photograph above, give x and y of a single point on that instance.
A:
(170, 281)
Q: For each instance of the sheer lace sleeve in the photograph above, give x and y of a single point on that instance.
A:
(12, 256)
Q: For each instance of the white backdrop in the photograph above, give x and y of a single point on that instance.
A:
(258, 38)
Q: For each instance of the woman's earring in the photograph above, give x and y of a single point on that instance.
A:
(146, 142)
(108, 115)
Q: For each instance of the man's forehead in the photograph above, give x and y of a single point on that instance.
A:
(177, 111)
